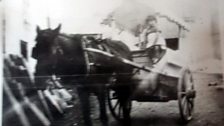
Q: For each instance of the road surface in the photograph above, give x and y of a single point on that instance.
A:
(209, 109)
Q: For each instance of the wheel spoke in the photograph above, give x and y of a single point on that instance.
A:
(183, 100)
(119, 110)
(184, 104)
(116, 104)
(111, 98)
(185, 107)
(186, 113)
(190, 106)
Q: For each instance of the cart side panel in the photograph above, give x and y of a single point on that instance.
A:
(168, 87)
(141, 57)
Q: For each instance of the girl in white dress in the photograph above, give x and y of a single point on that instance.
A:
(150, 34)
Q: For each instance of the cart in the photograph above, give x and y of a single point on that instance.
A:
(173, 82)
(166, 81)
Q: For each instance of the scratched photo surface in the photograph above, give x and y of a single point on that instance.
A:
(112, 62)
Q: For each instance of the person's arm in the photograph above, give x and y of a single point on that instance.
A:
(142, 39)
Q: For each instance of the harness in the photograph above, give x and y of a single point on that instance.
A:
(89, 61)
(86, 55)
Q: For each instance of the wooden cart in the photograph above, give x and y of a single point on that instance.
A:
(166, 81)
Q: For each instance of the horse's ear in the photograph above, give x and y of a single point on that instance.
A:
(38, 29)
(57, 30)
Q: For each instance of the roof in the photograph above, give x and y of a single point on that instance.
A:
(135, 14)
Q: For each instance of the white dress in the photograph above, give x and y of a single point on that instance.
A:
(151, 38)
(155, 39)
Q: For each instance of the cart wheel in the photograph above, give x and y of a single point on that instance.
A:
(120, 109)
(186, 95)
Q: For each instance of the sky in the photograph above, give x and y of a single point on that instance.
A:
(75, 15)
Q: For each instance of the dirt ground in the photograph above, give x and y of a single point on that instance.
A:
(209, 109)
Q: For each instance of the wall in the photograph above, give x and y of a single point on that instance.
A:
(84, 16)
(21, 18)
(221, 25)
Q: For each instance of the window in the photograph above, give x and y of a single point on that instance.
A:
(172, 43)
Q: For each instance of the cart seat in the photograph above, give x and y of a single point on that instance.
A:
(149, 56)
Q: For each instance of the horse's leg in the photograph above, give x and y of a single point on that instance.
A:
(101, 98)
(127, 118)
(85, 105)
(124, 96)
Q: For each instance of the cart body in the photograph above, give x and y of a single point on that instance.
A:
(157, 78)
(163, 78)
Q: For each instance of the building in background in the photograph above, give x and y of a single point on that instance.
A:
(200, 45)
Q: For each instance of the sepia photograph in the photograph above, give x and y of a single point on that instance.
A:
(112, 62)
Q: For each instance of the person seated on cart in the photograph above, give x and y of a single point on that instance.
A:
(150, 36)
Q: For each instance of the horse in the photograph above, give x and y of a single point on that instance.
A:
(65, 56)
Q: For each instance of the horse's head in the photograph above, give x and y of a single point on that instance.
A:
(42, 51)
(45, 39)
(60, 53)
